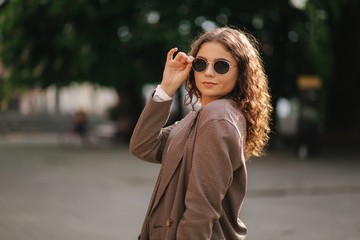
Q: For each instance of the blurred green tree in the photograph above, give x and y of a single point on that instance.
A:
(123, 44)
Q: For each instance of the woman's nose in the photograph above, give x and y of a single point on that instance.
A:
(209, 71)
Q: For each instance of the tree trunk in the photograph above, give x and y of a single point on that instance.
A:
(342, 115)
(128, 110)
(57, 100)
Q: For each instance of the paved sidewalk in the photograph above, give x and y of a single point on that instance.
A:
(48, 192)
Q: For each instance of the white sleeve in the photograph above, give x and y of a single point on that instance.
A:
(160, 95)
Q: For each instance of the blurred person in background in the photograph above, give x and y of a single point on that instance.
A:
(78, 132)
(80, 124)
(202, 181)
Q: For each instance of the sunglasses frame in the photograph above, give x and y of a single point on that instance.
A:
(213, 63)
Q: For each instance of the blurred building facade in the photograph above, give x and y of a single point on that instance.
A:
(92, 99)
(53, 109)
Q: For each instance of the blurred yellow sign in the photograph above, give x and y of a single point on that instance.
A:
(309, 82)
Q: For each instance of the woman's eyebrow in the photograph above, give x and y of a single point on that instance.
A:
(224, 59)
(199, 56)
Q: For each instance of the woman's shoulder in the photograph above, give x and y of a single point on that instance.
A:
(222, 109)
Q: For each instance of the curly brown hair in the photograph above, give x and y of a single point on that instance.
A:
(250, 94)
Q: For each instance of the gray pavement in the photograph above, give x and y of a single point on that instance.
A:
(49, 192)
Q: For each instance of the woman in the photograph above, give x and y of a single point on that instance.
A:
(202, 181)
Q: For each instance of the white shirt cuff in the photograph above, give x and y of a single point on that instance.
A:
(160, 95)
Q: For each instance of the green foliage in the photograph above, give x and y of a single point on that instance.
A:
(124, 43)
(57, 42)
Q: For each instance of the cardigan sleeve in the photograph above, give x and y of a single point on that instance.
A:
(216, 156)
(149, 137)
(160, 95)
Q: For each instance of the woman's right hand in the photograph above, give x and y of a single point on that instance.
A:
(176, 71)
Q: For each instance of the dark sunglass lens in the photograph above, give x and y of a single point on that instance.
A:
(199, 65)
(221, 67)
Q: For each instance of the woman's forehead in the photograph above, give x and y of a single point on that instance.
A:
(215, 50)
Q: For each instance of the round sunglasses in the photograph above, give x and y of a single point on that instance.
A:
(220, 66)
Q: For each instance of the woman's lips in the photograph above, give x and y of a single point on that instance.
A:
(209, 84)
